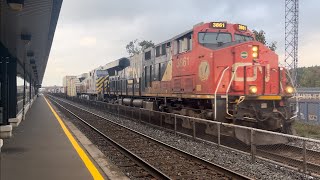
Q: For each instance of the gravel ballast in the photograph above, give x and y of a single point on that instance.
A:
(233, 160)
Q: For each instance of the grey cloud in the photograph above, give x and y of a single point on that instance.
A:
(115, 22)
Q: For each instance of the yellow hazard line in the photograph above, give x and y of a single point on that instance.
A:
(86, 160)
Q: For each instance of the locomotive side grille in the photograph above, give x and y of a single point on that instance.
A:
(177, 85)
(188, 84)
(164, 85)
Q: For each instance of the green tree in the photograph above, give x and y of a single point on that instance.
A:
(132, 47)
(136, 46)
(307, 76)
(261, 37)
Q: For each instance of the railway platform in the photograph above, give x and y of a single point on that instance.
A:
(42, 147)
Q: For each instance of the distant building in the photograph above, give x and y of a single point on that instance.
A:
(67, 84)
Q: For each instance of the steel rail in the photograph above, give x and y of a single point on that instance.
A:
(218, 168)
(289, 161)
(313, 156)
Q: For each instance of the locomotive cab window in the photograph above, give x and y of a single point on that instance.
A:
(240, 37)
(214, 40)
(214, 37)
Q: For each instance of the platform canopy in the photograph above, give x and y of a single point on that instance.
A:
(27, 28)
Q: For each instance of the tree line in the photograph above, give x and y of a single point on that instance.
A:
(308, 76)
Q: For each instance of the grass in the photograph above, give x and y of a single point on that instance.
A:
(307, 130)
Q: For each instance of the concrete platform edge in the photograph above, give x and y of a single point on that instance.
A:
(19, 116)
(1, 144)
(14, 122)
(5, 131)
(110, 170)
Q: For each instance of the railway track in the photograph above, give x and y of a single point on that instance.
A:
(292, 156)
(149, 158)
(287, 155)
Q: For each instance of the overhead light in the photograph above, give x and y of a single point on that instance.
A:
(16, 5)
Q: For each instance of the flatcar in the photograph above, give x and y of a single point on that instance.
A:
(216, 71)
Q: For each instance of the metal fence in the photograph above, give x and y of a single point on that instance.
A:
(298, 153)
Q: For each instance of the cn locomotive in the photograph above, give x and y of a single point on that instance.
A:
(215, 71)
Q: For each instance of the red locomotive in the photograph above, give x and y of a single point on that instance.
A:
(214, 71)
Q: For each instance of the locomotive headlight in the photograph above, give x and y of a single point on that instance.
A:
(289, 90)
(254, 48)
(255, 55)
(255, 51)
(253, 89)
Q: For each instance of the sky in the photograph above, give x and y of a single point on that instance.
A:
(92, 33)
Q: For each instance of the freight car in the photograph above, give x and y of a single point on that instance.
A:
(216, 71)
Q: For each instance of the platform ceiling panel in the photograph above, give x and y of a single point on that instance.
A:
(38, 18)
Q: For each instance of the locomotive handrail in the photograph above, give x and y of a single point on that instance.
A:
(215, 93)
(227, 91)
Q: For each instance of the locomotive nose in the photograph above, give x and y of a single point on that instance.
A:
(256, 70)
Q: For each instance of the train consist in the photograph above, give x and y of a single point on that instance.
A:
(215, 71)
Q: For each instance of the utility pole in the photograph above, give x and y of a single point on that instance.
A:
(291, 37)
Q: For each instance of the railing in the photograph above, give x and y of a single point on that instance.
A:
(301, 154)
(215, 93)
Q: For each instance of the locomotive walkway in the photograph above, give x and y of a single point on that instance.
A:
(43, 148)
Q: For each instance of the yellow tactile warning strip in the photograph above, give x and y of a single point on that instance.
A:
(86, 160)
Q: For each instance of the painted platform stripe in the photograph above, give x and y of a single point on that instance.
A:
(86, 160)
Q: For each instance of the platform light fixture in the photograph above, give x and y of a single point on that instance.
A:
(26, 38)
(30, 53)
(16, 5)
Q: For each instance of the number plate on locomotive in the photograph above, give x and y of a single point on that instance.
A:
(241, 27)
(219, 25)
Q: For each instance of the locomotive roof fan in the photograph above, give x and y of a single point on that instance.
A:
(16, 5)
